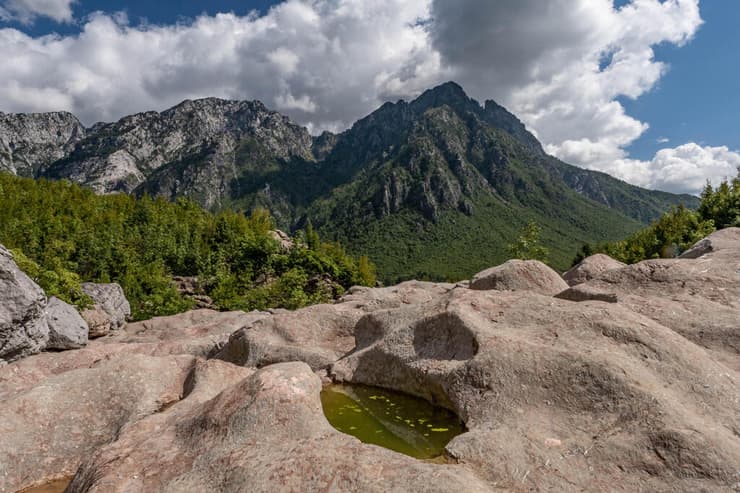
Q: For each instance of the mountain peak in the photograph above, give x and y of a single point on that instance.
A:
(449, 93)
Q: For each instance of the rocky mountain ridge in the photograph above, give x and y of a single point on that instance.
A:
(431, 165)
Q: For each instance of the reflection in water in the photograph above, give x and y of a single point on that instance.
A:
(392, 420)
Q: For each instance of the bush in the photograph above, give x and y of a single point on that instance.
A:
(677, 230)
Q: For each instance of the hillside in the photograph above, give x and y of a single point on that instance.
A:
(433, 188)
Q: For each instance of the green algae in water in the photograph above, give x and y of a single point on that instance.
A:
(396, 421)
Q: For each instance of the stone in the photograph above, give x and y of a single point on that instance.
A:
(590, 268)
(50, 428)
(111, 309)
(23, 326)
(67, 329)
(283, 239)
(267, 433)
(520, 368)
(520, 275)
(723, 239)
(317, 335)
(697, 297)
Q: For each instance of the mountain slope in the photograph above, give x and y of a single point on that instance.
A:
(436, 187)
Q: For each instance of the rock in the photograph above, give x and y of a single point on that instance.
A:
(189, 287)
(285, 241)
(520, 368)
(697, 297)
(31, 142)
(591, 267)
(49, 429)
(23, 327)
(67, 329)
(317, 335)
(111, 309)
(723, 239)
(264, 434)
(197, 332)
(520, 275)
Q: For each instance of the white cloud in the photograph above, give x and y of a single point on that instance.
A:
(559, 65)
(25, 11)
(662, 140)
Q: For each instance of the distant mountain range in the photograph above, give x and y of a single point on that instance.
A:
(432, 188)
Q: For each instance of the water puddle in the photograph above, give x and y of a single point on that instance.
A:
(393, 420)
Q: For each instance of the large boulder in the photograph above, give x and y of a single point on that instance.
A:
(697, 297)
(560, 396)
(50, 428)
(110, 311)
(723, 239)
(520, 275)
(23, 327)
(67, 329)
(590, 268)
(265, 434)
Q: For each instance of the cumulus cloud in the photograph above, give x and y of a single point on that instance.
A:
(559, 65)
(25, 11)
(325, 63)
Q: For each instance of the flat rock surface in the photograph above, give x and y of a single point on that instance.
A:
(629, 381)
(267, 433)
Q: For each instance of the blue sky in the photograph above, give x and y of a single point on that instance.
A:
(642, 89)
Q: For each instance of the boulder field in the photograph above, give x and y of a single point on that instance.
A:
(623, 378)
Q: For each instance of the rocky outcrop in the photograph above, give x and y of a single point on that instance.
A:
(520, 275)
(110, 311)
(557, 394)
(30, 142)
(67, 329)
(23, 326)
(639, 392)
(697, 297)
(590, 268)
(192, 149)
(267, 433)
(726, 239)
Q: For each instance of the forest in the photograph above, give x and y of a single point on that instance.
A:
(62, 234)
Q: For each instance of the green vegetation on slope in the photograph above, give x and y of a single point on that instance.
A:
(678, 229)
(62, 233)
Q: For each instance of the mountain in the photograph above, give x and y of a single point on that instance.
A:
(435, 188)
(30, 142)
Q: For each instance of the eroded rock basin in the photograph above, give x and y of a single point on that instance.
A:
(393, 420)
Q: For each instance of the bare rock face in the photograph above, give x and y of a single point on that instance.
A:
(111, 309)
(23, 327)
(557, 394)
(590, 268)
(520, 275)
(637, 385)
(67, 329)
(726, 239)
(317, 335)
(31, 142)
(47, 430)
(697, 297)
(285, 241)
(265, 434)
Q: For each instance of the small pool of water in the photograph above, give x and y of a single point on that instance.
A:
(393, 420)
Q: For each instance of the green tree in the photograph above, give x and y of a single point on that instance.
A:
(528, 245)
